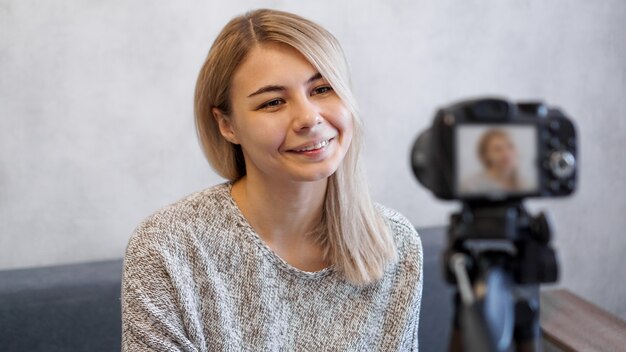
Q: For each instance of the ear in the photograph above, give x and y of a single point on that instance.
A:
(225, 124)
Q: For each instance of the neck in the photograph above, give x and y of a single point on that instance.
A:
(504, 177)
(280, 211)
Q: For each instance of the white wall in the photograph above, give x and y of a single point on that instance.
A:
(96, 124)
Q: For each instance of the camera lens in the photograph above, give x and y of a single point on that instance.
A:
(419, 158)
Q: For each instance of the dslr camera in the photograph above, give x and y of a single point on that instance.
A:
(491, 154)
(494, 150)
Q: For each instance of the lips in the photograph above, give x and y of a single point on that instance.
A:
(319, 145)
(312, 146)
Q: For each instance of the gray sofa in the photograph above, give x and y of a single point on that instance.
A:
(77, 307)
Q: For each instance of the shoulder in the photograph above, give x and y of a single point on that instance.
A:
(395, 219)
(170, 226)
(408, 268)
(405, 235)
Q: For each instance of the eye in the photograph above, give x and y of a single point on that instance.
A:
(322, 90)
(271, 104)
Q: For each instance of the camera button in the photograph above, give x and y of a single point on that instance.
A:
(571, 142)
(547, 165)
(562, 164)
(554, 186)
(554, 125)
(555, 143)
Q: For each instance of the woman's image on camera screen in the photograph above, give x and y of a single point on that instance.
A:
(498, 167)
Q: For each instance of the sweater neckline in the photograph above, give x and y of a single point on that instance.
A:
(254, 237)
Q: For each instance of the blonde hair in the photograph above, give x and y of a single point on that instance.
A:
(354, 236)
(483, 147)
(485, 141)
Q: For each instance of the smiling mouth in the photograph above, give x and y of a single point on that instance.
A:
(320, 145)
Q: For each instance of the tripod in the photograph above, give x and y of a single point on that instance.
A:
(497, 255)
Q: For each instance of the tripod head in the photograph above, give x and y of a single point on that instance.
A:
(503, 233)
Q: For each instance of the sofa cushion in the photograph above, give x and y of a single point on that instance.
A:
(61, 308)
(437, 308)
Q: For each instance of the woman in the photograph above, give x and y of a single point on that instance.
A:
(290, 254)
(498, 155)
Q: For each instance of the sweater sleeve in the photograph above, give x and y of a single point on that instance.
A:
(151, 319)
(417, 308)
(420, 289)
(414, 246)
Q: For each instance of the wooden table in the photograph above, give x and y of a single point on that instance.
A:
(570, 323)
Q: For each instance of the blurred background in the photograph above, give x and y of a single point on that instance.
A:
(96, 116)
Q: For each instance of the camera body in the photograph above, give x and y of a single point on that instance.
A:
(492, 150)
(490, 154)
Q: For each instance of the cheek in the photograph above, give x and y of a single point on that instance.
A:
(262, 135)
(341, 118)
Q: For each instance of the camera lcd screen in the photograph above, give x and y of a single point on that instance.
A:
(496, 160)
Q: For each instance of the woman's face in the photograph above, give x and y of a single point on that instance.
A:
(290, 123)
(501, 155)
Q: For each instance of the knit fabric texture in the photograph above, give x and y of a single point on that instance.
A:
(198, 278)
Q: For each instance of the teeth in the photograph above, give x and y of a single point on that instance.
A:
(319, 145)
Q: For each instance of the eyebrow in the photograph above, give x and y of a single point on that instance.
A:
(277, 88)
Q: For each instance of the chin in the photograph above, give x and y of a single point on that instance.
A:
(313, 177)
(313, 174)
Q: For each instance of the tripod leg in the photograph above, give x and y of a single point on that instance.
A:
(456, 338)
(527, 332)
(456, 341)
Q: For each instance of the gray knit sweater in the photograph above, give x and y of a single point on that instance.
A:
(198, 278)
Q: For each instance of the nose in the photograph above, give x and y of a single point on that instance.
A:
(306, 115)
